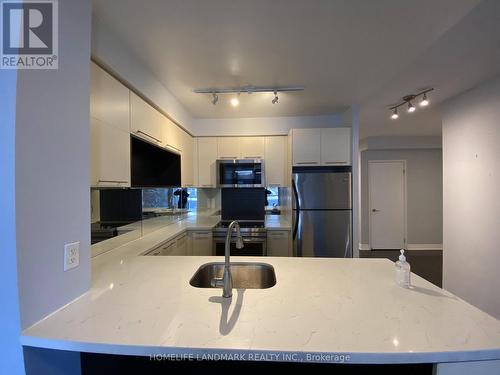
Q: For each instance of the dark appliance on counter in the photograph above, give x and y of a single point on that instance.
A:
(247, 206)
(153, 166)
(240, 173)
(117, 207)
(322, 212)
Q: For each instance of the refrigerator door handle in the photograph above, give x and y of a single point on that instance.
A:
(297, 208)
(347, 242)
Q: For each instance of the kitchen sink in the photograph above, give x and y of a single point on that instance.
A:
(244, 275)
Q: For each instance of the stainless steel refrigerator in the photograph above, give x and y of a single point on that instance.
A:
(322, 212)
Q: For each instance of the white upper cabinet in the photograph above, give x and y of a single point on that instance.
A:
(336, 146)
(172, 135)
(207, 155)
(109, 131)
(228, 147)
(110, 155)
(306, 147)
(187, 156)
(275, 160)
(252, 147)
(145, 121)
(109, 99)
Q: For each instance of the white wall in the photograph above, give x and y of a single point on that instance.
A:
(11, 358)
(471, 208)
(52, 170)
(261, 125)
(424, 176)
(109, 50)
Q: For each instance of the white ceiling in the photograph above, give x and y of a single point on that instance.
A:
(343, 52)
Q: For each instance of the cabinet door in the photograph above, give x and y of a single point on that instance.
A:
(228, 147)
(168, 248)
(172, 135)
(187, 155)
(252, 147)
(275, 161)
(109, 99)
(145, 121)
(278, 243)
(207, 155)
(180, 245)
(336, 146)
(110, 155)
(306, 147)
(201, 243)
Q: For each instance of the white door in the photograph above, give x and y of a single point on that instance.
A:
(387, 204)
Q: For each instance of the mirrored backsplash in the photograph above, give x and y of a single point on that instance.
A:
(120, 215)
(123, 215)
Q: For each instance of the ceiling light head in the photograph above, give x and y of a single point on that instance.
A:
(395, 114)
(275, 100)
(235, 101)
(411, 107)
(424, 102)
(215, 98)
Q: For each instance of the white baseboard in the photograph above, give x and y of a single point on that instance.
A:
(425, 246)
(418, 246)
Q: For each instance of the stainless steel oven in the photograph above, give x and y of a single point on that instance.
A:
(254, 240)
(240, 173)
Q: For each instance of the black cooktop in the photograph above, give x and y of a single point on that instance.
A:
(243, 224)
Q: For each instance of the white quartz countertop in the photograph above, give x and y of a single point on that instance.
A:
(325, 310)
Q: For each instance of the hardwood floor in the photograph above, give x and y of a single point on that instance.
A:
(425, 263)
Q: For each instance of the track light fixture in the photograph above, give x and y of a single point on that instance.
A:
(407, 100)
(424, 102)
(215, 98)
(275, 100)
(246, 89)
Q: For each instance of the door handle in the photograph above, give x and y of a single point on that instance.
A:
(375, 210)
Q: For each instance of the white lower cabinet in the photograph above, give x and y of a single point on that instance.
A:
(279, 243)
(176, 246)
(200, 243)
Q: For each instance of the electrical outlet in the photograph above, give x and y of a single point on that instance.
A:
(71, 255)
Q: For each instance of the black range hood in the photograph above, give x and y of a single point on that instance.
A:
(153, 166)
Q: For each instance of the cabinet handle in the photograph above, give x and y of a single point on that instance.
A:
(114, 181)
(335, 162)
(188, 185)
(253, 157)
(208, 185)
(229, 157)
(175, 148)
(307, 162)
(147, 135)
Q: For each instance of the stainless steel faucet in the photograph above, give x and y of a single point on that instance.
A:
(226, 282)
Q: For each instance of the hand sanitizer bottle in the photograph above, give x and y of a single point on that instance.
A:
(403, 271)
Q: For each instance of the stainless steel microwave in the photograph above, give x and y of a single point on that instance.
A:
(240, 173)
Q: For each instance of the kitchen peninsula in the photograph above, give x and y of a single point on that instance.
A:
(320, 310)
